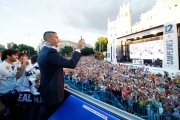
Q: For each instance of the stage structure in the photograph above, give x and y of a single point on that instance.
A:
(149, 38)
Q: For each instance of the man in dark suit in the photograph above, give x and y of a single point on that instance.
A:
(51, 65)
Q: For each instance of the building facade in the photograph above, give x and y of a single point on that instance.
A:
(62, 44)
(40, 46)
(122, 25)
(10, 45)
(149, 28)
(87, 45)
(163, 11)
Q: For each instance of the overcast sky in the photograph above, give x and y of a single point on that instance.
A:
(71, 19)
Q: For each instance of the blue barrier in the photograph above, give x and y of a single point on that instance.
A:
(160, 117)
(71, 85)
(104, 96)
(126, 105)
(81, 111)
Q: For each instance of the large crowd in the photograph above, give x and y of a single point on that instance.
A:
(150, 89)
(146, 88)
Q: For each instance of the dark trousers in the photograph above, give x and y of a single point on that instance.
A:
(45, 111)
(34, 112)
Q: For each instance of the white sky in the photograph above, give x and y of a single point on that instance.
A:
(71, 19)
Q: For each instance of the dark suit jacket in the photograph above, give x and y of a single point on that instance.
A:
(51, 65)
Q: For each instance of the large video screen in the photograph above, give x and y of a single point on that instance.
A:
(147, 50)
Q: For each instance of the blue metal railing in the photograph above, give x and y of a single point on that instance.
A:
(160, 117)
(126, 105)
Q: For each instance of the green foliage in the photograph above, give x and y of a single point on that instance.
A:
(99, 55)
(101, 44)
(21, 47)
(67, 50)
(87, 51)
(15, 47)
(2, 48)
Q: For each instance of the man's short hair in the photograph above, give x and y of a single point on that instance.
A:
(34, 59)
(25, 51)
(9, 52)
(21, 54)
(48, 33)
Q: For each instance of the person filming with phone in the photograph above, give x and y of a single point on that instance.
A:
(51, 64)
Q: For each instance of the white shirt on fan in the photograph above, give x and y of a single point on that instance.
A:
(7, 77)
(17, 63)
(33, 68)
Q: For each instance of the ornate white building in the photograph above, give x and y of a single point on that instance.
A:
(162, 12)
(122, 25)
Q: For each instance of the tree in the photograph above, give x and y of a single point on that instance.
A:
(101, 44)
(99, 55)
(67, 50)
(87, 51)
(29, 49)
(15, 47)
(21, 47)
(2, 48)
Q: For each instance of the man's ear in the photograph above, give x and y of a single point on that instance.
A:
(7, 56)
(48, 39)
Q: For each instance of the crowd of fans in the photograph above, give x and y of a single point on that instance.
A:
(17, 74)
(153, 90)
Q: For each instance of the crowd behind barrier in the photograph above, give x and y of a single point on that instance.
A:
(126, 105)
(143, 93)
(146, 94)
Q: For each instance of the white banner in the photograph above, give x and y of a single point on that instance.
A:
(108, 50)
(114, 51)
(114, 59)
(171, 57)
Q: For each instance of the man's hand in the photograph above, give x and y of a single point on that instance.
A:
(65, 69)
(25, 64)
(66, 86)
(80, 44)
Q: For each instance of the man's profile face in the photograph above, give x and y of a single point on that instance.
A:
(22, 58)
(54, 40)
(0, 54)
(13, 58)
